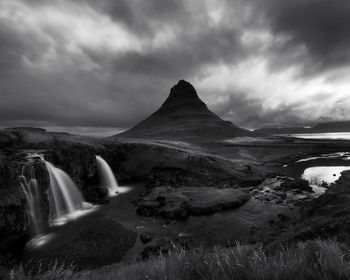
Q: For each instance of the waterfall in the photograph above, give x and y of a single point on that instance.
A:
(31, 190)
(66, 200)
(107, 178)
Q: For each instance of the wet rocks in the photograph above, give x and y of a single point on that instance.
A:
(95, 194)
(180, 203)
(283, 190)
(295, 184)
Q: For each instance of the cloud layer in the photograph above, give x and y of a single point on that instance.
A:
(108, 63)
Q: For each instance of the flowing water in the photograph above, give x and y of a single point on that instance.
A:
(319, 169)
(31, 190)
(329, 135)
(65, 201)
(225, 227)
(107, 178)
(318, 174)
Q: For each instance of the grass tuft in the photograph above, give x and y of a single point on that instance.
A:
(310, 260)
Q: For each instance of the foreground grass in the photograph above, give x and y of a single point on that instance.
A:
(306, 260)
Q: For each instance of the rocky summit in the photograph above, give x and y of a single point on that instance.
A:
(184, 114)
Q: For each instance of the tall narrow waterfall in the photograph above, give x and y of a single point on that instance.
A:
(65, 197)
(107, 178)
(31, 190)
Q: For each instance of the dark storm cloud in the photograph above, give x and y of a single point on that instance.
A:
(316, 32)
(141, 17)
(186, 57)
(139, 78)
(196, 43)
(250, 112)
(111, 63)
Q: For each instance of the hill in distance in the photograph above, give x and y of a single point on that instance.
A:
(184, 115)
(340, 126)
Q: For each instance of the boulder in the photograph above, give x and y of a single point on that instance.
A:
(180, 203)
(146, 237)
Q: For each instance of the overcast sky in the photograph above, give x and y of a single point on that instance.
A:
(103, 65)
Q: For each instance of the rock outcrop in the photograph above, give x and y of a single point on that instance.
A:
(299, 185)
(180, 203)
(184, 115)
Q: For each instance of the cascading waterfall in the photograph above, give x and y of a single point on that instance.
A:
(65, 200)
(64, 196)
(31, 190)
(107, 178)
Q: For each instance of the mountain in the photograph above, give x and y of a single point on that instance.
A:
(184, 114)
(283, 130)
(341, 126)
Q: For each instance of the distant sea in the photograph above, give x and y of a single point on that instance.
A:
(329, 135)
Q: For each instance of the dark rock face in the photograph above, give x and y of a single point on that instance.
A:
(14, 222)
(12, 208)
(180, 203)
(184, 114)
(77, 160)
(182, 93)
(104, 243)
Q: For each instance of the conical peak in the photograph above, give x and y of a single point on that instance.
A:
(182, 89)
(183, 92)
(184, 113)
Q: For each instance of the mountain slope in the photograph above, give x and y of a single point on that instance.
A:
(184, 114)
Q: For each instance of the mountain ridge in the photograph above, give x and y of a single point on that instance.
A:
(327, 127)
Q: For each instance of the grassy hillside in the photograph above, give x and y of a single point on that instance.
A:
(315, 259)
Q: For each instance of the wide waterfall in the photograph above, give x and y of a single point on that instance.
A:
(107, 178)
(31, 190)
(66, 200)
